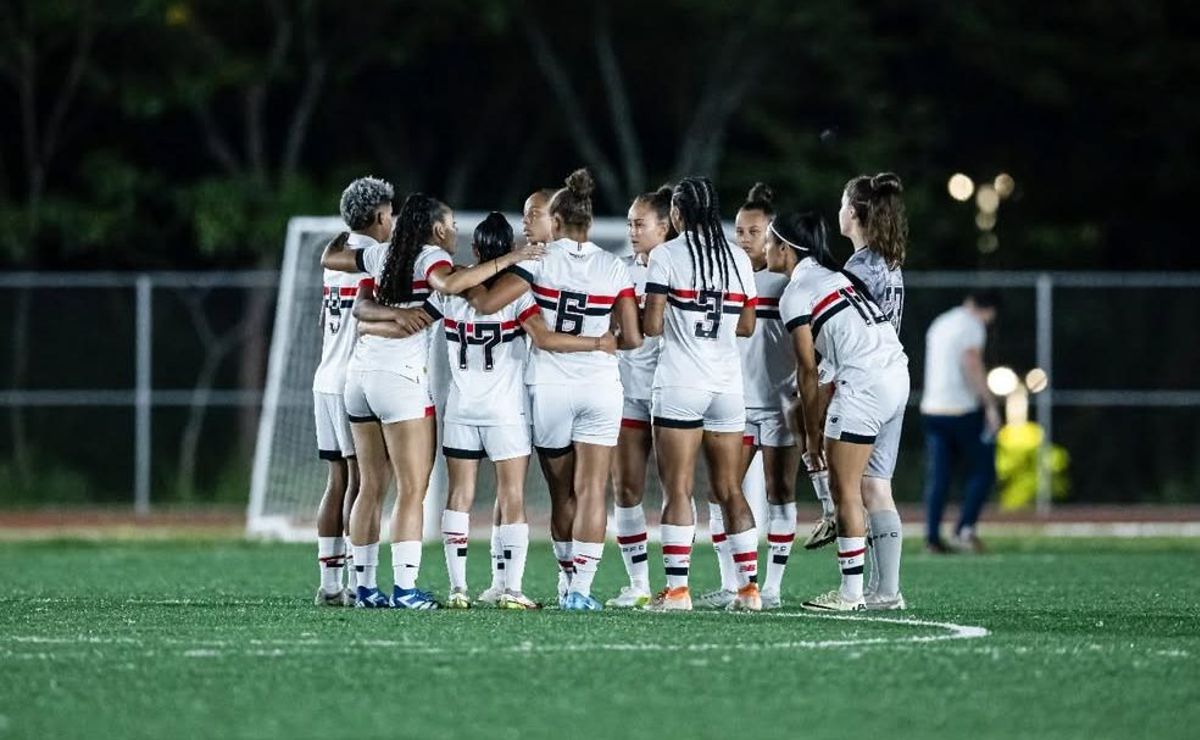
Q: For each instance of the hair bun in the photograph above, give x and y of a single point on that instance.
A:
(664, 191)
(761, 193)
(886, 183)
(580, 183)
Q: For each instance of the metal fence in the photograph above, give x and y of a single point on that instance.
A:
(1060, 322)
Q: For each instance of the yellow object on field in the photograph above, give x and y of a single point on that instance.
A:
(1016, 466)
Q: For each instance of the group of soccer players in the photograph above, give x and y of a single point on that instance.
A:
(691, 344)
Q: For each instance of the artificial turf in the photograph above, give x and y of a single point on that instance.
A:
(1086, 639)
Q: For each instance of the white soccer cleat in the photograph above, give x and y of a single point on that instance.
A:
(564, 585)
(833, 602)
(823, 532)
(458, 599)
(517, 601)
(718, 599)
(631, 597)
(875, 602)
(771, 599)
(490, 596)
(345, 597)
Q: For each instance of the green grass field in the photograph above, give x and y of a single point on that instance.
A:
(1084, 639)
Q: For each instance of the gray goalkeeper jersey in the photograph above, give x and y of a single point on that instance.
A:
(885, 285)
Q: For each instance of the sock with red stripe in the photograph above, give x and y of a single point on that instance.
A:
(587, 560)
(566, 563)
(820, 484)
(331, 558)
(851, 556)
(716, 527)
(677, 553)
(781, 533)
(456, 526)
(887, 539)
(514, 546)
(743, 548)
(366, 561)
(406, 563)
(498, 575)
(631, 537)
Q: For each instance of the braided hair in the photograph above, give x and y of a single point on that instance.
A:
(660, 201)
(712, 257)
(414, 229)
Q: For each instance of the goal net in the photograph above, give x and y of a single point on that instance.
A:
(288, 478)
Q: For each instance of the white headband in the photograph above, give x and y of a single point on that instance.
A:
(780, 237)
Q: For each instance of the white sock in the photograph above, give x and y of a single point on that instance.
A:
(331, 563)
(744, 551)
(677, 553)
(631, 537)
(820, 484)
(887, 540)
(514, 546)
(366, 560)
(406, 563)
(566, 561)
(456, 527)
(497, 559)
(587, 560)
(716, 527)
(851, 554)
(781, 533)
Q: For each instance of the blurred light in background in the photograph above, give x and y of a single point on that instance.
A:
(988, 242)
(1002, 381)
(987, 199)
(961, 187)
(1004, 185)
(1036, 380)
(985, 221)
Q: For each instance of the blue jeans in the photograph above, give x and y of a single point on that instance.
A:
(951, 441)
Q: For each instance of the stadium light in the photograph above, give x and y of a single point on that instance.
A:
(987, 198)
(988, 242)
(961, 187)
(1004, 184)
(985, 221)
(1036, 380)
(1002, 381)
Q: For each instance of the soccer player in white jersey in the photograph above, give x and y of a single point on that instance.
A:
(872, 217)
(387, 383)
(769, 380)
(576, 397)
(649, 226)
(700, 296)
(366, 207)
(824, 313)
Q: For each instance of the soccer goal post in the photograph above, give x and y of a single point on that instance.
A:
(288, 479)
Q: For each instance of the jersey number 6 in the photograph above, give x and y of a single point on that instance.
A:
(570, 312)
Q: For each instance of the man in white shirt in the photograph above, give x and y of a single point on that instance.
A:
(960, 416)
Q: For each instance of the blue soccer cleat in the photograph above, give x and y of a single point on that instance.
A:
(371, 598)
(413, 598)
(577, 602)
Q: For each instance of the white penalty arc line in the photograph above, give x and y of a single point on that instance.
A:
(279, 648)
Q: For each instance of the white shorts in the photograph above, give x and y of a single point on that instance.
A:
(334, 440)
(636, 413)
(768, 428)
(385, 396)
(470, 442)
(692, 408)
(564, 414)
(862, 414)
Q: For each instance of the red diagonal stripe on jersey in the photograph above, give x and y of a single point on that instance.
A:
(852, 553)
(825, 302)
(780, 537)
(529, 312)
(631, 539)
(544, 291)
(745, 557)
(677, 549)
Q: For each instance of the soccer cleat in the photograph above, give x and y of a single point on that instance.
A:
(517, 600)
(748, 599)
(631, 597)
(413, 598)
(564, 585)
(678, 599)
(823, 532)
(371, 598)
(490, 596)
(967, 543)
(718, 599)
(345, 597)
(771, 599)
(577, 602)
(458, 599)
(833, 602)
(876, 602)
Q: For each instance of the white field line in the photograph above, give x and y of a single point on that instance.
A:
(281, 648)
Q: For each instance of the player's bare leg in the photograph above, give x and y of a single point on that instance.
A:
(824, 530)
(629, 467)
(847, 461)
(331, 545)
(592, 464)
(513, 531)
(676, 451)
(559, 470)
(724, 452)
(373, 477)
(780, 465)
(456, 526)
(410, 446)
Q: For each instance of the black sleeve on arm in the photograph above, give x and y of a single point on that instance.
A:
(358, 260)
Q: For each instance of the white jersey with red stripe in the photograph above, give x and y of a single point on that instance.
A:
(408, 356)
(637, 365)
(575, 285)
(768, 365)
(339, 328)
(850, 332)
(487, 354)
(699, 344)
